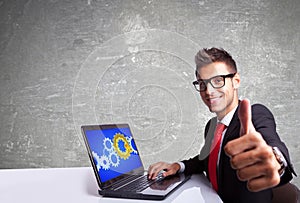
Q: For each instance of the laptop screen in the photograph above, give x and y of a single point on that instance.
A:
(113, 150)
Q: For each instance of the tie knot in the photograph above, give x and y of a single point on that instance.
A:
(220, 127)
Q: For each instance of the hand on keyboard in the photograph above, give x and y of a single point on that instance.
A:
(170, 169)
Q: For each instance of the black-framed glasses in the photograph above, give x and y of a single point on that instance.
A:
(216, 82)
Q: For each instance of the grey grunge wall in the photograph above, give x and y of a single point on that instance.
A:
(68, 63)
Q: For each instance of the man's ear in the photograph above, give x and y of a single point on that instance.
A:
(236, 81)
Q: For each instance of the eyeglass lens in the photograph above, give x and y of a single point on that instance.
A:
(216, 82)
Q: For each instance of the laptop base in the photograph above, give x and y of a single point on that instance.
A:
(158, 191)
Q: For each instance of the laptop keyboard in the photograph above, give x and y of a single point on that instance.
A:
(141, 183)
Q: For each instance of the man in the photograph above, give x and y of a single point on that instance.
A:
(244, 158)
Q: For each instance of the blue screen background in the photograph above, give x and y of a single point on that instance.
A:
(109, 163)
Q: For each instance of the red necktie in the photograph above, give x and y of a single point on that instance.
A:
(213, 157)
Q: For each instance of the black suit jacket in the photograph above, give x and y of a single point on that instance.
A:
(231, 189)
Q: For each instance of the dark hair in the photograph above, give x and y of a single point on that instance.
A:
(206, 56)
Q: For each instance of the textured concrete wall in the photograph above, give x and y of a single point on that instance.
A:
(67, 63)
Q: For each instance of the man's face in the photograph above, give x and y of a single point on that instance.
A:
(222, 100)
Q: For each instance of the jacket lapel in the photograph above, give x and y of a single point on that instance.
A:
(233, 129)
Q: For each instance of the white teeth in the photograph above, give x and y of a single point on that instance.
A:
(212, 98)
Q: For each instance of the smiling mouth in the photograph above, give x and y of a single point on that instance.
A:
(213, 100)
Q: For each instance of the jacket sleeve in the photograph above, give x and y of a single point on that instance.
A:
(264, 123)
(193, 165)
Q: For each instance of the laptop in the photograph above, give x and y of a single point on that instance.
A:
(118, 167)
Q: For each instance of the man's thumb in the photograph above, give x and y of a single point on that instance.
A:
(245, 116)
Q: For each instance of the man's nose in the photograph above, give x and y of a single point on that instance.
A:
(209, 88)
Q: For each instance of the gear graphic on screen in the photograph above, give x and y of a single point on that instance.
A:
(104, 162)
(97, 158)
(130, 141)
(121, 146)
(114, 159)
(108, 145)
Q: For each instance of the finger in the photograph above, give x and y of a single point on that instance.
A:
(241, 144)
(243, 160)
(153, 174)
(155, 169)
(262, 183)
(252, 172)
(151, 171)
(245, 117)
(263, 165)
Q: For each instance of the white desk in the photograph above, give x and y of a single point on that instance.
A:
(79, 185)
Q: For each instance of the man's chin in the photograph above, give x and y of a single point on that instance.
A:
(214, 110)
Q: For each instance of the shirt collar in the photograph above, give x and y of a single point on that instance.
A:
(227, 119)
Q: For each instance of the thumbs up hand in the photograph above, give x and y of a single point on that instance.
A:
(245, 116)
(250, 155)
